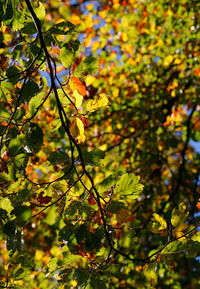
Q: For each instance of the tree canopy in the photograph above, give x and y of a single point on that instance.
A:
(100, 144)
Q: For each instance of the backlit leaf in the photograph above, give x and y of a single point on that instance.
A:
(95, 104)
(89, 65)
(77, 129)
(66, 56)
(129, 186)
(158, 224)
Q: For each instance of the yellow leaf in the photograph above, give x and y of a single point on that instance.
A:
(81, 136)
(75, 19)
(19, 282)
(55, 251)
(90, 79)
(179, 215)
(77, 129)
(74, 128)
(103, 13)
(95, 45)
(168, 60)
(173, 93)
(90, 7)
(97, 103)
(196, 237)
(150, 274)
(88, 41)
(73, 283)
(103, 147)
(124, 36)
(158, 224)
(5, 204)
(78, 98)
(116, 92)
(136, 87)
(177, 61)
(180, 231)
(38, 255)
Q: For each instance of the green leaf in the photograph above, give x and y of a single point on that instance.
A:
(15, 145)
(10, 228)
(66, 232)
(19, 274)
(3, 216)
(28, 28)
(150, 274)
(196, 136)
(51, 217)
(4, 114)
(40, 11)
(5, 204)
(29, 90)
(52, 264)
(82, 276)
(18, 21)
(170, 248)
(23, 195)
(66, 56)
(97, 283)
(93, 157)
(20, 113)
(32, 50)
(107, 183)
(75, 44)
(34, 137)
(72, 259)
(13, 74)
(129, 186)
(196, 237)
(35, 102)
(61, 28)
(7, 88)
(6, 13)
(58, 157)
(22, 213)
(89, 65)
(21, 161)
(115, 206)
(93, 240)
(14, 185)
(11, 244)
(81, 233)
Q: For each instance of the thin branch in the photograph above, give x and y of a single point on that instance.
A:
(63, 195)
(27, 70)
(49, 183)
(65, 123)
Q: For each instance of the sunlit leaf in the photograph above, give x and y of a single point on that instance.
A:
(95, 104)
(66, 56)
(158, 224)
(128, 186)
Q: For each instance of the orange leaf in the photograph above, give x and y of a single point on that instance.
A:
(79, 85)
(91, 200)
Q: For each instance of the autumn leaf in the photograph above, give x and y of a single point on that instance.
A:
(95, 104)
(158, 224)
(77, 129)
